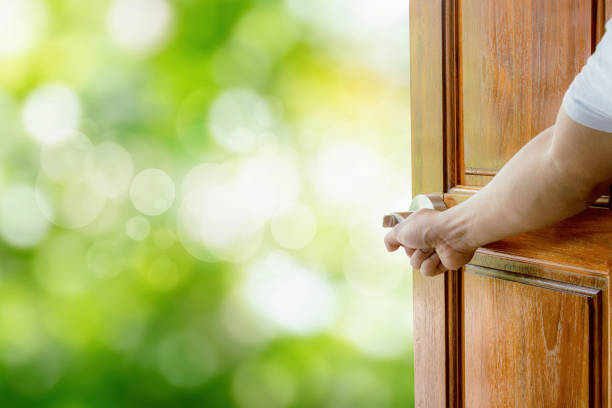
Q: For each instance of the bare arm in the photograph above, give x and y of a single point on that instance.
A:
(556, 175)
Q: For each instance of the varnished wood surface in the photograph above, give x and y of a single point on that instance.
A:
(518, 58)
(526, 344)
(427, 121)
(459, 194)
(430, 333)
(486, 77)
(581, 243)
(426, 96)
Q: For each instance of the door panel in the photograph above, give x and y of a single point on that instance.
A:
(517, 60)
(528, 319)
(528, 342)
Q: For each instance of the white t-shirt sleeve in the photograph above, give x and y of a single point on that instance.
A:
(588, 100)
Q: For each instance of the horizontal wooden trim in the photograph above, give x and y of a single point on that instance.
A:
(502, 258)
(460, 193)
(581, 244)
(477, 172)
(534, 281)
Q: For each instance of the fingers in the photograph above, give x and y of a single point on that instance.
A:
(432, 266)
(409, 251)
(391, 241)
(419, 256)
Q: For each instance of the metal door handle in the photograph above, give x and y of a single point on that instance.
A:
(431, 201)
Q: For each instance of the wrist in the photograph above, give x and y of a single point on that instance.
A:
(454, 227)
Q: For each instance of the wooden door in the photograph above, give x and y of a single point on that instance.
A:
(526, 323)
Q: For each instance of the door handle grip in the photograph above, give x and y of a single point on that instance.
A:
(392, 219)
(431, 201)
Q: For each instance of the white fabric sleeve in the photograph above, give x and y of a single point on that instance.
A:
(588, 100)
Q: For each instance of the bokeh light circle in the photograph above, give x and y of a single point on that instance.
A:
(65, 161)
(21, 26)
(106, 258)
(185, 359)
(294, 228)
(240, 119)
(290, 295)
(152, 192)
(73, 206)
(139, 26)
(109, 169)
(22, 223)
(348, 173)
(137, 228)
(224, 206)
(50, 111)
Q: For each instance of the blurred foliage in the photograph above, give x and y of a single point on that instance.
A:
(247, 268)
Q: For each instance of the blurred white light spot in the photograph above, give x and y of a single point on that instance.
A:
(368, 31)
(106, 259)
(139, 26)
(21, 25)
(259, 385)
(22, 223)
(240, 119)
(347, 173)
(289, 295)
(213, 220)
(74, 206)
(65, 161)
(295, 228)
(50, 112)
(137, 228)
(185, 359)
(225, 206)
(270, 182)
(109, 170)
(152, 192)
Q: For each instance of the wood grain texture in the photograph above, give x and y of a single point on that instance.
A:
(476, 180)
(581, 243)
(460, 193)
(487, 76)
(530, 342)
(518, 58)
(430, 331)
(560, 279)
(427, 119)
(426, 96)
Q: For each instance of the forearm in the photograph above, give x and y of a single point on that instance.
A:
(534, 189)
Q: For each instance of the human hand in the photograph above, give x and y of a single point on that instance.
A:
(430, 249)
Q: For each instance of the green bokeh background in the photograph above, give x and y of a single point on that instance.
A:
(92, 318)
